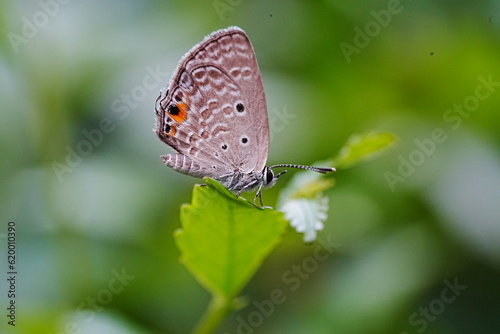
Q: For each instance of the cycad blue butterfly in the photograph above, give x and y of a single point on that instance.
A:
(214, 114)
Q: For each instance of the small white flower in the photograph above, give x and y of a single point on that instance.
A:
(306, 215)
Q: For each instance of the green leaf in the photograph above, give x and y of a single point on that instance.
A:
(359, 148)
(224, 239)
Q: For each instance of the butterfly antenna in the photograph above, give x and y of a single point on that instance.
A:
(314, 169)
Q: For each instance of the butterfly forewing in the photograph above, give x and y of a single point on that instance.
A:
(214, 111)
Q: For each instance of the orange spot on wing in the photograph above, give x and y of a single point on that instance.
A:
(172, 132)
(182, 115)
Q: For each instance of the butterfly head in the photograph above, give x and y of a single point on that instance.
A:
(269, 177)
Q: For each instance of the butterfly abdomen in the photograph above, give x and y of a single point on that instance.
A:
(184, 165)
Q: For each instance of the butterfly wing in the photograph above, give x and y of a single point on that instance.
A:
(214, 110)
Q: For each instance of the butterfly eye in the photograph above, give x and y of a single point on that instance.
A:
(269, 175)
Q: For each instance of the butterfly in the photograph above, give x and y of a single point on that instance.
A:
(214, 115)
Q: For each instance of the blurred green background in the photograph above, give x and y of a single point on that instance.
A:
(94, 229)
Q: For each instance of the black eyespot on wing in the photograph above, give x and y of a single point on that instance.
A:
(167, 128)
(244, 140)
(173, 109)
(240, 107)
(224, 147)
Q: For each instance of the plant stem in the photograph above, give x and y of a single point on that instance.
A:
(218, 309)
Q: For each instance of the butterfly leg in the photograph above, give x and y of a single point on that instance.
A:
(259, 194)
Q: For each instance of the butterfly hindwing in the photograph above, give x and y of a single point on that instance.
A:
(214, 111)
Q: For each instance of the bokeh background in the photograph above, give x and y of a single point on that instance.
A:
(94, 228)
